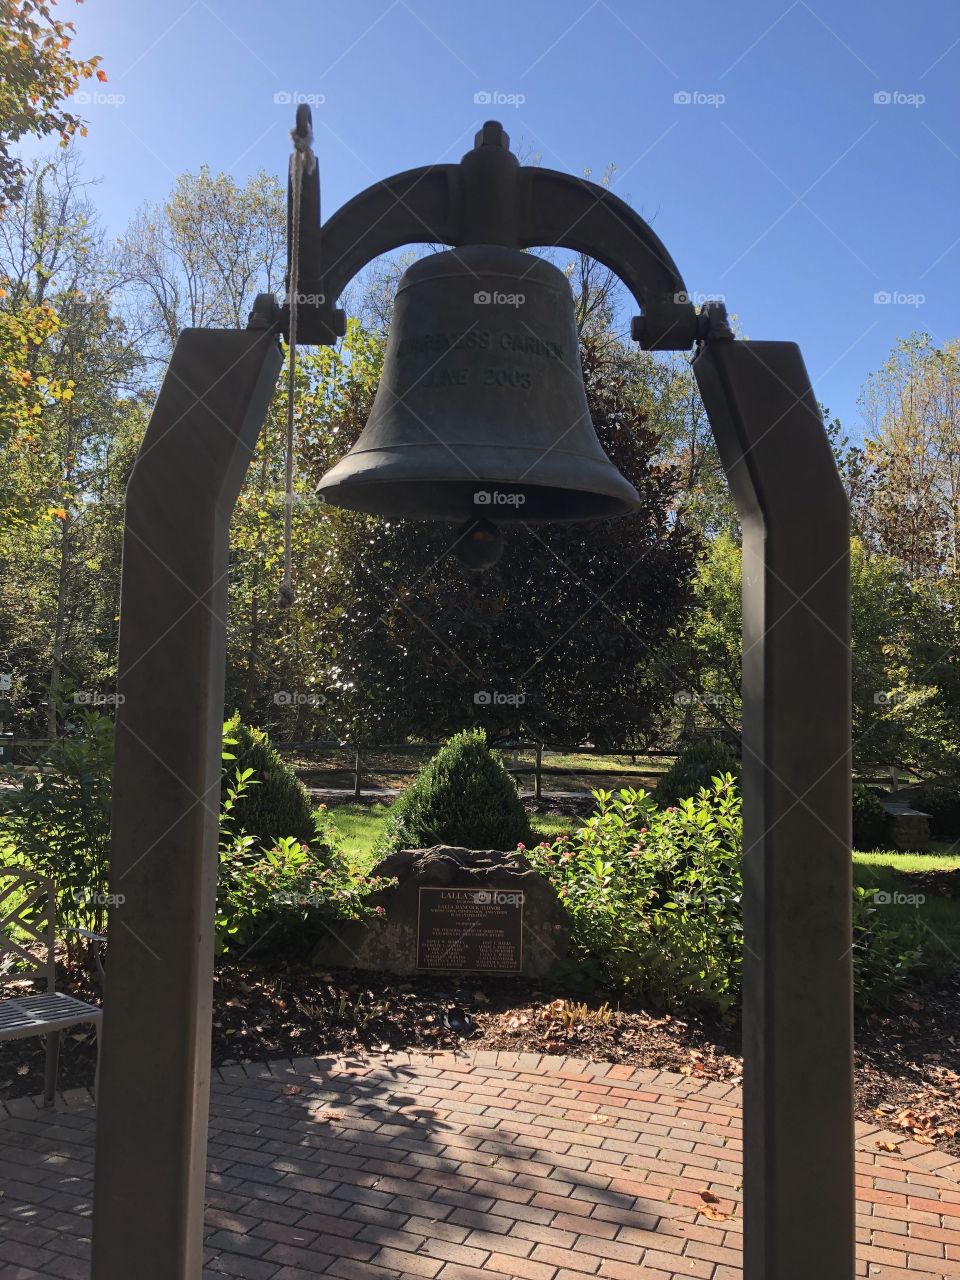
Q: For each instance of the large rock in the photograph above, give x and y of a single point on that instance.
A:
(455, 911)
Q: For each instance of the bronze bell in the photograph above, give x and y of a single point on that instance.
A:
(481, 410)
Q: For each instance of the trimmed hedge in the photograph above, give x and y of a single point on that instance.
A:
(696, 765)
(463, 796)
(277, 804)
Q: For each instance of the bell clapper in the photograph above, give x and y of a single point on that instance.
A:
(479, 544)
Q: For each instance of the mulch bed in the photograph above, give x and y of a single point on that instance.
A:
(907, 1063)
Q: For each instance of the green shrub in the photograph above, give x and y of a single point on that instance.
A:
(653, 898)
(941, 799)
(56, 819)
(887, 955)
(275, 804)
(869, 819)
(286, 892)
(463, 796)
(654, 894)
(696, 766)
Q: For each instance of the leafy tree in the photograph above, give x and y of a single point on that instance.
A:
(905, 489)
(568, 629)
(686, 440)
(281, 662)
(64, 472)
(37, 71)
(22, 328)
(200, 258)
(716, 625)
(910, 507)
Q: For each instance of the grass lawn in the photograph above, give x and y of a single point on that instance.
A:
(359, 825)
(938, 916)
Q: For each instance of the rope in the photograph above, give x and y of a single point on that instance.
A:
(302, 160)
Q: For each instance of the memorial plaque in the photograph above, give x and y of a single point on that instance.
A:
(470, 930)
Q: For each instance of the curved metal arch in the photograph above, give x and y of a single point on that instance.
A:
(523, 207)
(419, 205)
(574, 213)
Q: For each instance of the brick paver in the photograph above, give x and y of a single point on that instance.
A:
(483, 1166)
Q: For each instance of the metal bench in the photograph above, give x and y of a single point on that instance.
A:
(28, 906)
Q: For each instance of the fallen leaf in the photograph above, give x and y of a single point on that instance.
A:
(887, 1146)
(709, 1197)
(714, 1215)
(290, 1089)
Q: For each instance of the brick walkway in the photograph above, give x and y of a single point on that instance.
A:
(478, 1167)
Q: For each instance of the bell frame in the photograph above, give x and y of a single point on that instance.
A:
(797, 981)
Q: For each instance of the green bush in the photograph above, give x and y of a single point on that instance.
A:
(286, 892)
(869, 819)
(463, 796)
(697, 764)
(275, 804)
(887, 955)
(653, 898)
(941, 799)
(654, 894)
(56, 819)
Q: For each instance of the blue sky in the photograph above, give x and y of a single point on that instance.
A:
(783, 185)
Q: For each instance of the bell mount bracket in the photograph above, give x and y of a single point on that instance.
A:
(488, 198)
